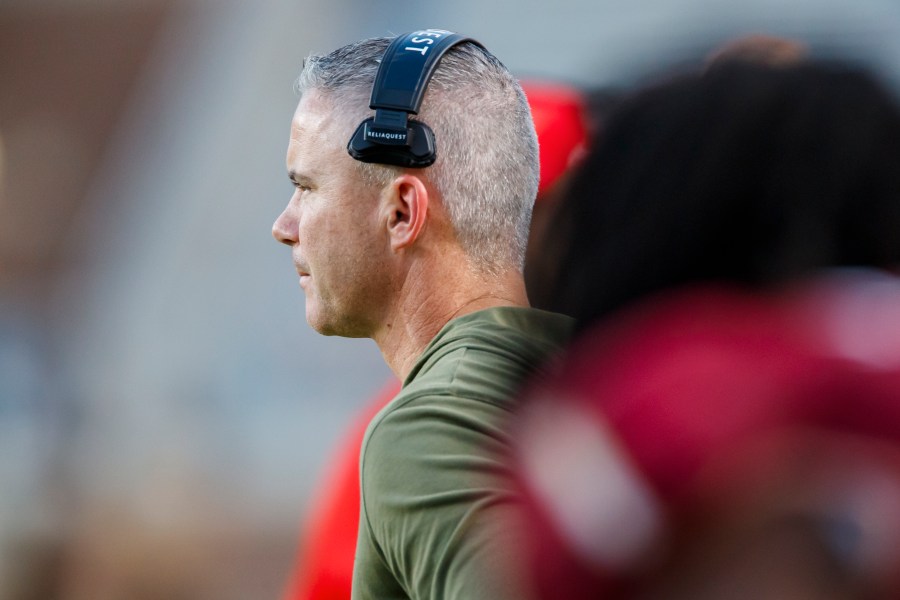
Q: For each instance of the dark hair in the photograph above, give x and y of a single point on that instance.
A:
(745, 174)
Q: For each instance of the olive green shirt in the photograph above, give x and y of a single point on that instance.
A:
(436, 517)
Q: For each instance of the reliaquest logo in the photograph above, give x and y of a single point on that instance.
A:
(388, 136)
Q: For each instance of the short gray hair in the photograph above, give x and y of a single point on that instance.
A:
(487, 168)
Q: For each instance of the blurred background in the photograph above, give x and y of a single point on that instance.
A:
(164, 409)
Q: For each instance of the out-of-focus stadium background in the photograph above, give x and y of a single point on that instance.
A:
(164, 409)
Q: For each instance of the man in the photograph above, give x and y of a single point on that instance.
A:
(324, 565)
(428, 263)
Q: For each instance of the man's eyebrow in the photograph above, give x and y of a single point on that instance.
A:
(297, 177)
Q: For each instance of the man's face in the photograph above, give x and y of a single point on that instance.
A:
(332, 225)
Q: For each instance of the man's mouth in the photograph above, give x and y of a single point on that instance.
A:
(302, 272)
(301, 269)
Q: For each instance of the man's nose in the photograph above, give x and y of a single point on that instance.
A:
(285, 228)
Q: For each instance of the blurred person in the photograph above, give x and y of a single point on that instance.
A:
(760, 176)
(425, 258)
(726, 424)
(324, 565)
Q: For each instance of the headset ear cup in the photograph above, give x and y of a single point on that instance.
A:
(422, 149)
(419, 153)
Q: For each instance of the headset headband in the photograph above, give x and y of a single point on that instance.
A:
(406, 67)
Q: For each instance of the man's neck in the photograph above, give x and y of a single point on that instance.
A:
(428, 301)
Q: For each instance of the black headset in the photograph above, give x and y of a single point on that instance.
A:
(389, 137)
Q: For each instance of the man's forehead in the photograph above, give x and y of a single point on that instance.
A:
(313, 126)
(318, 137)
(311, 116)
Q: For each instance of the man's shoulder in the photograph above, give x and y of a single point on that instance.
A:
(515, 321)
(465, 386)
(516, 338)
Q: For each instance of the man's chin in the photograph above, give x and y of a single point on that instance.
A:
(319, 325)
(332, 327)
(325, 330)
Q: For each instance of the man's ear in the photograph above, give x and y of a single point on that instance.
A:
(406, 205)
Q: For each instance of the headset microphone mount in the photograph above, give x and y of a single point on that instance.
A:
(407, 65)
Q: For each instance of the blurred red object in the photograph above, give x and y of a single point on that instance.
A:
(324, 565)
(559, 113)
(721, 444)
